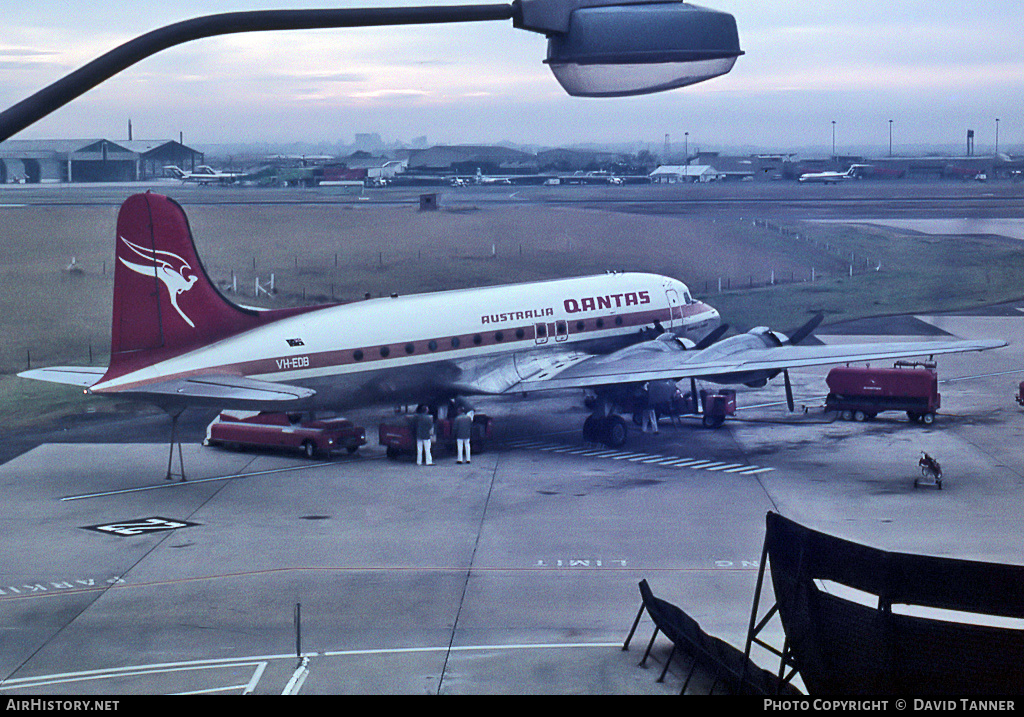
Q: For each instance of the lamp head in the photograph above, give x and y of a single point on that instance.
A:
(600, 49)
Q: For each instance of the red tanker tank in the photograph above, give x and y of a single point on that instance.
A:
(862, 393)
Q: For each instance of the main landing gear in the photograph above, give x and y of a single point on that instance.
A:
(609, 430)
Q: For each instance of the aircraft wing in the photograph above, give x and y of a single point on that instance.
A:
(216, 391)
(83, 376)
(660, 360)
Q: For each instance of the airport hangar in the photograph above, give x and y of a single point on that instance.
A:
(32, 161)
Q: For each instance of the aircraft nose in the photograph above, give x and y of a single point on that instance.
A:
(715, 318)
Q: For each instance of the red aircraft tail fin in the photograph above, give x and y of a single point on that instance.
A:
(164, 302)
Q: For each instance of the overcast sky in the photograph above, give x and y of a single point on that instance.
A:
(936, 68)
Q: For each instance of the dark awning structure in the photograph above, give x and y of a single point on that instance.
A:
(888, 637)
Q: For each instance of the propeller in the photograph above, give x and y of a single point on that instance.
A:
(804, 331)
(711, 338)
(797, 336)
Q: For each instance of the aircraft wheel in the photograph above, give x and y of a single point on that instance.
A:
(847, 415)
(859, 416)
(912, 416)
(928, 419)
(590, 429)
(614, 431)
(309, 449)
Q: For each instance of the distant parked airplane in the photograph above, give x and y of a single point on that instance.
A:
(829, 177)
(204, 174)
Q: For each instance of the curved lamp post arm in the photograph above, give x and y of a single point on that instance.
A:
(56, 95)
(596, 48)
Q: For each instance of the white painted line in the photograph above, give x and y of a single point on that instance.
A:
(727, 465)
(754, 472)
(471, 648)
(711, 465)
(623, 456)
(158, 669)
(741, 468)
(211, 690)
(700, 464)
(298, 678)
(255, 679)
(684, 462)
(643, 456)
(58, 678)
(199, 481)
(656, 459)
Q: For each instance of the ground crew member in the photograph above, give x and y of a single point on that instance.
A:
(424, 427)
(463, 432)
(650, 415)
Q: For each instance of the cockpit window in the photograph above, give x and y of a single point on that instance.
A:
(687, 298)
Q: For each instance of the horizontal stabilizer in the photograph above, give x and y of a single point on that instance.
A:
(222, 391)
(83, 376)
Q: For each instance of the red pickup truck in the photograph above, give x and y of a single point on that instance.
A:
(314, 437)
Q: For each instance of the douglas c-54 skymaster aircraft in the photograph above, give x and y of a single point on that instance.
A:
(177, 342)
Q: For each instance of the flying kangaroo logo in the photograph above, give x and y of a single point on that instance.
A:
(169, 268)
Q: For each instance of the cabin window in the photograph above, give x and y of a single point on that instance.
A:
(580, 325)
(385, 351)
(357, 355)
(432, 345)
(520, 333)
(499, 336)
(410, 348)
(618, 321)
(600, 323)
(478, 339)
(455, 342)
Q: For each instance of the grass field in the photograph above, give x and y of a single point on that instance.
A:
(324, 252)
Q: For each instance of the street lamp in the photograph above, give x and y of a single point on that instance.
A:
(833, 139)
(890, 138)
(596, 48)
(997, 135)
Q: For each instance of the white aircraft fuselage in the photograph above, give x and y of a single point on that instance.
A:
(423, 347)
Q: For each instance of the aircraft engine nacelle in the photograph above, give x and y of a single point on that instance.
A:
(770, 338)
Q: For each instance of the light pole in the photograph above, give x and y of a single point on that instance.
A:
(686, 146)
(596, 48)
(833, 139)
(997, 135)
(890, 139)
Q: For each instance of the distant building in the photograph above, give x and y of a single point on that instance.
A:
(679, 173)
(576, 160)
(753, 167)
(90, 160)
(467, 159)
(155, 154)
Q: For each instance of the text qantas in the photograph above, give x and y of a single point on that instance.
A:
(612, 301)
(575, 306)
